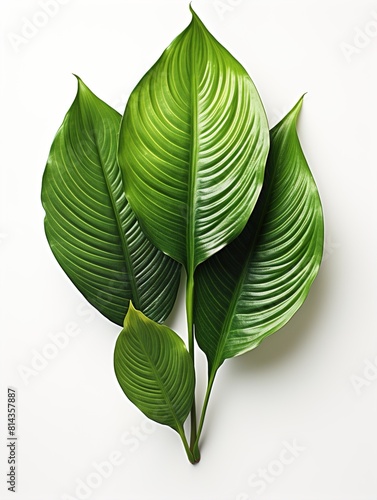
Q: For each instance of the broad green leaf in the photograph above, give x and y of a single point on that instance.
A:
(254, 286)
(193, 146)
(155, 370)
(89, 224)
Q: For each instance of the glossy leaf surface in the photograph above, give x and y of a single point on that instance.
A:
(193, 146)
(89, 224)
(254, 286)
(155, 370)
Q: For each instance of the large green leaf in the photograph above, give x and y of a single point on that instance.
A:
(193, 145)
(155, 370)
(91, 228)
(254, 286)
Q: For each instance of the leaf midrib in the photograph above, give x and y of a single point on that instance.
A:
(161, 386)
(237, 291)
(193, 168)
(124, 244)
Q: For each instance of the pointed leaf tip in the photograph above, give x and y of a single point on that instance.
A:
(82, 87)
(295, 111)
(130, 311)
(79, 81)
(297, 107)
(196, 19)
(292, 116)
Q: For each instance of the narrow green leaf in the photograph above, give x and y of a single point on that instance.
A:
(89, 224)
(155, 370)
(254, 286)
(193, 145)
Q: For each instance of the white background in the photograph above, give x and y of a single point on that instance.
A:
(300, 386)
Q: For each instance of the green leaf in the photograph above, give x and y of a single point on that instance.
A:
(155, 370)
(89, 224)
(254, 286)
(193, 145)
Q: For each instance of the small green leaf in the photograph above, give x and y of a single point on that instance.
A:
(91, 228)
(155, 370)
(254, 286)
(193, 146)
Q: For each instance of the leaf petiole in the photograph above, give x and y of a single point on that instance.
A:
(195, 446)
(189, 453)
(191, 345)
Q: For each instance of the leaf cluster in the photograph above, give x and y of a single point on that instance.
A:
(189, 177)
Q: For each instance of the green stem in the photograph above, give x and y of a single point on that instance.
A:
(189, 453)
(190, 312)
(195, 447)
(191, 345)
